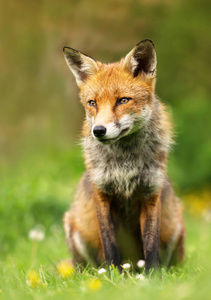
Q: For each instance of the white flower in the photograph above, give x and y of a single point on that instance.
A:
(36, 235)
(141, 263)
(126, 266)
(140, 277)
(101, 271)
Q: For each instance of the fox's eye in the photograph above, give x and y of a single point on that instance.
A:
(92, 103)
(123, 100)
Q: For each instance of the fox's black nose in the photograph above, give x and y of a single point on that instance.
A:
(99, 131)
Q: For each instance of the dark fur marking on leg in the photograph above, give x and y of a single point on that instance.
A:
(151, 245)
(107, 231)
(150, 233)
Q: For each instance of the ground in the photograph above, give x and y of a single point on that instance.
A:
(35, 192)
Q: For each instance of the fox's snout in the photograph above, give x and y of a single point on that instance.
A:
(106, 132)
(109, 132)
(99, 131)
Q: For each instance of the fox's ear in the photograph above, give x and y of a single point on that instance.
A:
(81, 65)
(142, 58)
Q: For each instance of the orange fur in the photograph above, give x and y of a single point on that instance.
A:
(124, 197)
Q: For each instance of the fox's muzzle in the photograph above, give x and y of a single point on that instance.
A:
(99, 131)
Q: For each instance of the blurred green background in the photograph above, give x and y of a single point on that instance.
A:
(40, 116)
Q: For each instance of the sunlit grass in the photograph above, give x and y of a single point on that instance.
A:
(35, 263)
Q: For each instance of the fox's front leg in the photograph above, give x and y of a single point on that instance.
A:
(150, 227)
(106, 226)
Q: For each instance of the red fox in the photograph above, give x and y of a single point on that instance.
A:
(125, 207)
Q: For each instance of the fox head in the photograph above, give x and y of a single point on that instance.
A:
(117, 97)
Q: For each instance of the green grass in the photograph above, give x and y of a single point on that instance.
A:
(36, 191)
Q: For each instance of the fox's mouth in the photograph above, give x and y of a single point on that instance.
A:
(109, 141)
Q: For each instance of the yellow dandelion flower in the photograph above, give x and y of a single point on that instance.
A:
(94, 284)
(65, 269)
(33, 279)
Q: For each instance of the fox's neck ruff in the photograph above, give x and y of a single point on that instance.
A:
(135, 160)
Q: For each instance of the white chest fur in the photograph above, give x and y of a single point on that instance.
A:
(119, 168)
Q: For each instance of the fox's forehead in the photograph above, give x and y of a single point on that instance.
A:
(112, 81)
